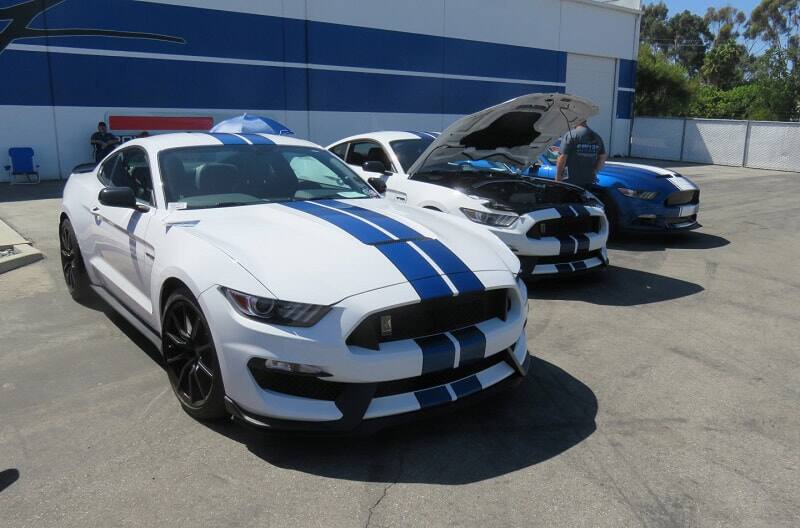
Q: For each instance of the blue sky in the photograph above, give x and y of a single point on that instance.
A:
(676, 6)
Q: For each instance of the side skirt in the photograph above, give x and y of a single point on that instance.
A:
(129, 316)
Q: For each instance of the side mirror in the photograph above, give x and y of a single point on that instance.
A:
(377, 183)
(118, 197)
(374, 166)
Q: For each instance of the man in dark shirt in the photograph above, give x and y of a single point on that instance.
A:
(103, 142)
(582, 154)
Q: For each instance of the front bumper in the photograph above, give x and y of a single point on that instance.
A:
(557, 255)
(660, 219)
(369, 384)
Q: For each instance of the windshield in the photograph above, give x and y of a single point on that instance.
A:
(408, 150)
(495, 165)
(232, 175)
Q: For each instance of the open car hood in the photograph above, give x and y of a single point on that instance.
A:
(515, 131)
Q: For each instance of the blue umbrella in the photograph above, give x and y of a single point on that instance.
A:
(251, 124)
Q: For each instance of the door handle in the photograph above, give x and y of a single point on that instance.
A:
(94, 210)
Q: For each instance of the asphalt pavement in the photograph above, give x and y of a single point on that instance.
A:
(665, 392)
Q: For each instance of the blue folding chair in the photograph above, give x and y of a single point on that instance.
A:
(21, 159)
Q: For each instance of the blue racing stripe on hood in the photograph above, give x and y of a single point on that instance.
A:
(398, 229)
(425, 280)
(459, 273)
(364, 232)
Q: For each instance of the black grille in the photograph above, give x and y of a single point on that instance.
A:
(528, 263)
(682, 198)
(434, 379)
(294, 385)
(430, 317)
(565, 226)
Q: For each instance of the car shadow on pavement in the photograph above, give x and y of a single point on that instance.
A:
(549, 413)
(662, 242)
(614, 286)
(42, 191)
(8, 477)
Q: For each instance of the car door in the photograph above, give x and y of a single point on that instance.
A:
(360, 151)
(123, 257)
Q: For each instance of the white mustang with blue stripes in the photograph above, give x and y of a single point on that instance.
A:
(474, 170)
(283, 290)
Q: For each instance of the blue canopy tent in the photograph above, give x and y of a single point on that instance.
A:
(251, 124)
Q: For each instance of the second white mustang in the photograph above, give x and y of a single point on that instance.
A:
(283, 291)
(474, 170)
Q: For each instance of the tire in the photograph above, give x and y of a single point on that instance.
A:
(190, 358)
(72, 265)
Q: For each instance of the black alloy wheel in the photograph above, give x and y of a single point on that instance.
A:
(72, 263)
(190, 358)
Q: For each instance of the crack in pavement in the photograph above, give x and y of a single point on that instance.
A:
(377, 502)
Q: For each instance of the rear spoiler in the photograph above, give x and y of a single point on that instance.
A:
(84, 167)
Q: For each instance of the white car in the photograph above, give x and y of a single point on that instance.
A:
(282, 290)
(474, 170)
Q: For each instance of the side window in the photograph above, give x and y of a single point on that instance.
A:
(107, 169)
(340, 150)
(361, 151)
(133, 170)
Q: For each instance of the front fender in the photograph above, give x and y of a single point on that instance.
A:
(200, 265)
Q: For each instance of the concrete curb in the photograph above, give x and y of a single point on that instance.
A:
(23, 252)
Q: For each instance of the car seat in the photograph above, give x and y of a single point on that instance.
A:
(216, 178)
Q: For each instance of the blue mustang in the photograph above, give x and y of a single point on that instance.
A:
(637, 198)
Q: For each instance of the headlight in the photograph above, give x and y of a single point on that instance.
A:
(593, 200)
(274, 311)
(642, 195)
(492, 219)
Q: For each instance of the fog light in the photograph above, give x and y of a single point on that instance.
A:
(294, 368)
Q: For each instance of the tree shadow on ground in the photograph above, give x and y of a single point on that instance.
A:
(661, 242)
(549, 413)
(614, 286)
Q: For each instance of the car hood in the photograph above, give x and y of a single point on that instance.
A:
(645, 175)
(517, 130)
(300, 256)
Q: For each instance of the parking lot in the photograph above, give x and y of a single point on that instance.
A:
(664, 393)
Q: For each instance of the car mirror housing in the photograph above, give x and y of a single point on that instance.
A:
(118, 197)
(378, 184)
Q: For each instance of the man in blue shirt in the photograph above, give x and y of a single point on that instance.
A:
(582, 154)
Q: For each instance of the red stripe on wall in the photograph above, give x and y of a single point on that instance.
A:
(159, 123)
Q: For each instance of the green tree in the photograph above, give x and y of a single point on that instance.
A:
(654, 28)
(726, 23)
(691, 37)
(663, 87)
(778, 86)
(723, 66)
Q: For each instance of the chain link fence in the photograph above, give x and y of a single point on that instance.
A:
(755, 144)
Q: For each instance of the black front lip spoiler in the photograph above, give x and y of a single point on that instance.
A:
(353, 404)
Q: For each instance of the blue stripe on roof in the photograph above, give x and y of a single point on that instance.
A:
(459, 273)
(425, 280)
(256, 139)
(391, 225)
(228, 139)
(364, 232)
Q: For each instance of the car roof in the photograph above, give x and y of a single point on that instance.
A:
(200, 139)
(387, 136)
